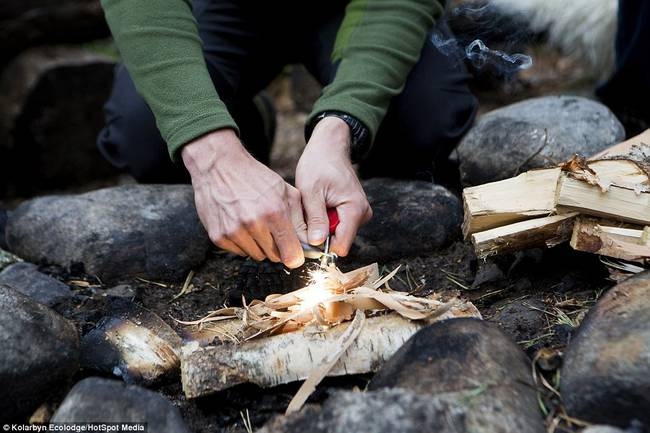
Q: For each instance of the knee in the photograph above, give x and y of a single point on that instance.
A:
(436, 125)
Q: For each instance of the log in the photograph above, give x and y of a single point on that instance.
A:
(623, 204)
(607, 238)
(536, 233)
(293, 356)
(529, 195)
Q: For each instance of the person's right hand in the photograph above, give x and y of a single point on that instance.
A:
(245, 207)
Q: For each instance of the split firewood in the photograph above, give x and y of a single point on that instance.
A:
(536, 233)
(495, 204)
(287, 337)
(608, 238)
(621, 198)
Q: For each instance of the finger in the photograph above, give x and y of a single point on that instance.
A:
(286, 239)
(351, 218)
(228, 245)
(263, 238)
(247, 244)
(297, 215)
(316, 216)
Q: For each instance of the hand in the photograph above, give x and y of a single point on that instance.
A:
(326, 179)
(245, 207)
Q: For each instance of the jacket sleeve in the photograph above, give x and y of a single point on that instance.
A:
(377, 44)
(160, 46)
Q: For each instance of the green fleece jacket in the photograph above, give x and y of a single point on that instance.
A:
(377, 44)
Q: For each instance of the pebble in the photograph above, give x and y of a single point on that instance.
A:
(28, 280)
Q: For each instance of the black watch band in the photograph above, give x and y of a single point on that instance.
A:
(359, 134)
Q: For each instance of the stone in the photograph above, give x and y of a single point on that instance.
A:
(40, 352)
(409, 218)
(132, 343)
(535, 133)
(382, 411)
(131, 230)
(27, 23)
(461, 359)
(28, 280)
(602, 429)
(51, 101)
(606, 373)
(103, 400)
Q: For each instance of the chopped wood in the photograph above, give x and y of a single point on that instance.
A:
(539, 232)
(539, 207)
(529, 195)
(617, 202)
(602, 237)
(293, 356)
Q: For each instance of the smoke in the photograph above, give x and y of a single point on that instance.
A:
(480, 56)
(484, 38)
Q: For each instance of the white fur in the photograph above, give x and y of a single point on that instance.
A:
(582, 28)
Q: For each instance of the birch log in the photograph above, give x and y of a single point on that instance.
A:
(293, 356)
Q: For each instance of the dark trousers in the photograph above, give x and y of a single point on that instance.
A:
(627, 91)
(247, 46)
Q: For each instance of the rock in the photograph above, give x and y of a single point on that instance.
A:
(461, 359)
(51, 101)
(27, 23)
(146, 230)
(133, 343)
(606, 374)
(382, 411)
(26, 278)
(410, 218)
(40, 351)
(602, 429)
(102, 400)
(521, 319)
(535, 133)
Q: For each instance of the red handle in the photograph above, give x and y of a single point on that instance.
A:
(333, 217)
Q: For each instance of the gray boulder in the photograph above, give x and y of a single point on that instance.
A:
(382, 411)
(26, 278)
(147, 230)
(535, 133)
(468, 362)
(102, 400)
(409, 218)
(606, 373)
(40, 351)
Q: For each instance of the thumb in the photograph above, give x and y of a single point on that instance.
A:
(316, 218)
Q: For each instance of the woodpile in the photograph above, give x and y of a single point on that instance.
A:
(601, 205)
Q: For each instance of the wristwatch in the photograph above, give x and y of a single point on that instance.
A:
(359, 134)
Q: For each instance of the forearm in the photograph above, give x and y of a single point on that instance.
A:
(377, 45)
(159, 43)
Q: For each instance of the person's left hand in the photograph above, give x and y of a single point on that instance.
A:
(326, 179)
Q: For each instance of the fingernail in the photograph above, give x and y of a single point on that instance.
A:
(316, 236)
